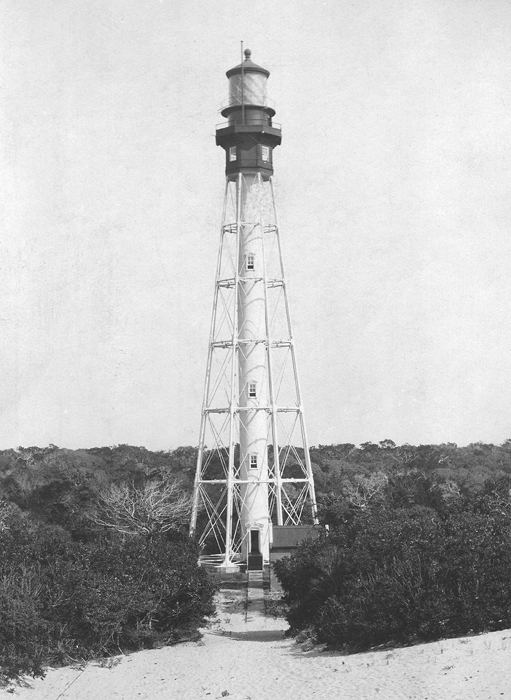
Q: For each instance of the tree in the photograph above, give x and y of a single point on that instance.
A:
(156, 507)
(365, 489)
(387, 444)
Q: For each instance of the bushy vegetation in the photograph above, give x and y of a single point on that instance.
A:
(65, 599)
(415, 560)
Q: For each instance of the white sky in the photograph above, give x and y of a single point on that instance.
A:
(393, 186)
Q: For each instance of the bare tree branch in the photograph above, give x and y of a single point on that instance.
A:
(365, 489)
(159, 506)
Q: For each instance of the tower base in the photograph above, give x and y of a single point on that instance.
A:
(216, 565)
(229, 569)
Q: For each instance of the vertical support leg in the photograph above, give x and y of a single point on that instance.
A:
(308, 465)
(207, 380)
(271, 386)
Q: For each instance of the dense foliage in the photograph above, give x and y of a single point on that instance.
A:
(59, 485)
(338, 467)
(415, 562)
(65, 599)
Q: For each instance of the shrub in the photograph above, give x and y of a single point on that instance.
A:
(22, 630)
(398, 576)
(64, 600)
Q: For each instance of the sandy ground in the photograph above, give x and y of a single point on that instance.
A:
(243, 655)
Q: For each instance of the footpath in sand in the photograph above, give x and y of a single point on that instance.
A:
(243, 655)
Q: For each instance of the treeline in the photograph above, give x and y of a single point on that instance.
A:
(469, 467)
(59, 485)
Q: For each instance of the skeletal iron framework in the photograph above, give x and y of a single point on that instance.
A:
(227, 488)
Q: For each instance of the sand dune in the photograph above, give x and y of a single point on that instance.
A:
(243, 655)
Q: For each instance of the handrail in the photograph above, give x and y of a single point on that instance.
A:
(258, 122)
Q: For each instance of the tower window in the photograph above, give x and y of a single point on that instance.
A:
(232, 153)
(252, 393)
(253, 461)
(250, 261)
(265, 153)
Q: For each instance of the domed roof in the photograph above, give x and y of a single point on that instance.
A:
(247, 66)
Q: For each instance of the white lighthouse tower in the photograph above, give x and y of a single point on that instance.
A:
(253, 466)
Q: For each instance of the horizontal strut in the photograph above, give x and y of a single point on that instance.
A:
(253, 481)
(230, 282)
(251, 341)
(238, 409)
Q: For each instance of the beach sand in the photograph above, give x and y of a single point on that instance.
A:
(243, 655)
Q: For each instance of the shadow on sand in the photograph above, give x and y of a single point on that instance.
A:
(253, 635)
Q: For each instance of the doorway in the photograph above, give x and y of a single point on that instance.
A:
(254, 542)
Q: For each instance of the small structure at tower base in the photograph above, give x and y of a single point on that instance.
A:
(287, 539)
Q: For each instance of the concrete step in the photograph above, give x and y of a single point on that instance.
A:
(255, 579)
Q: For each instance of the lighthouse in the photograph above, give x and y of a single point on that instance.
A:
(253, 469)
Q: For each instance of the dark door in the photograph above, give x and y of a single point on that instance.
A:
(254, 541)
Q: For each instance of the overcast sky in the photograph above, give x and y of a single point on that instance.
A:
(393, 192)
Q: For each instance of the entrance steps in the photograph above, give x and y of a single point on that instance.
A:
(255, 579)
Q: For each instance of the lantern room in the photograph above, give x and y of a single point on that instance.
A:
(249, 135)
